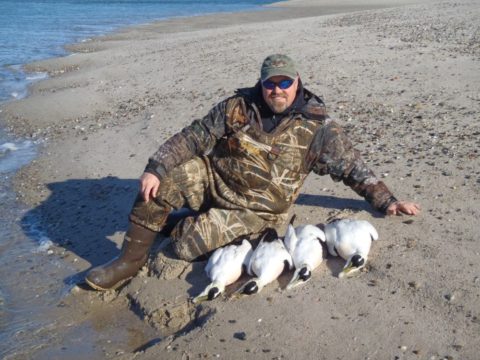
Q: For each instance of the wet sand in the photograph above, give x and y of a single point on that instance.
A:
(404, 82)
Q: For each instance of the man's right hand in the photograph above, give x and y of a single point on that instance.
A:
(149, 185)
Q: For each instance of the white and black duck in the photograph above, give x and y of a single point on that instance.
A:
(267, 262)
(304, 245)
(224, 267)
(350, 239)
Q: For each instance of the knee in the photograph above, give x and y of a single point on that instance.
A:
(188, 242)
(184, 250)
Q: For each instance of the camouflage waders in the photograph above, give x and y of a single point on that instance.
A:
(188, 185)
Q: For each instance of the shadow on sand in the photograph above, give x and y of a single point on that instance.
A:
(332, 202)
(81, 215)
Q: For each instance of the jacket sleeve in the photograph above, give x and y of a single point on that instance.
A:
(198, 138)
(332, 153)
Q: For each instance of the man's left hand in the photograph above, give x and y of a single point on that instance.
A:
(403, 207)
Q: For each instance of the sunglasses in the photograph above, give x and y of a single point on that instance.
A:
(284, 84)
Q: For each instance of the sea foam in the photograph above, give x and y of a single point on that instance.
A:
(8, 147)
(14, 155)
(36, 76)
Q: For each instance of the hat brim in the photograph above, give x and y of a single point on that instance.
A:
(279, 72)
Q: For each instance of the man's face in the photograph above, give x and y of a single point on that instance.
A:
(280, 99)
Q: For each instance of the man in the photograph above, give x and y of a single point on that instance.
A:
(242, 167)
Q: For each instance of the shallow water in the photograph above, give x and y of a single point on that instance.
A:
(22, 294)
(26, 289)
(15, 153)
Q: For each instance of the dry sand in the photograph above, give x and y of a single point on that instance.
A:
(405, 83)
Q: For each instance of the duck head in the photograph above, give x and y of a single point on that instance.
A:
(250, 288)
(304, 274)
(213, 293)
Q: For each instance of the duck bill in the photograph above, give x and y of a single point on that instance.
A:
(203, 296)
(251, 287)
(348, 271)
(296, 280)
(238, 294)
(206, 294)
(294, 283)
(200, 298)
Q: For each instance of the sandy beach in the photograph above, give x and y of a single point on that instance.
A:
(401, 77)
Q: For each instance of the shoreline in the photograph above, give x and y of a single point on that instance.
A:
(388, 75)
(281, 10)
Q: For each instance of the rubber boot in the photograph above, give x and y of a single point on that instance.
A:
(134, 255)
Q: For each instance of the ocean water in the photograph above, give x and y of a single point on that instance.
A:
(34, 30)
(37, 29)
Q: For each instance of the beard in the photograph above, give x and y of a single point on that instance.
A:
(277, 104)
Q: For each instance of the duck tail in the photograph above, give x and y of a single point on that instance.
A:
(292, 219)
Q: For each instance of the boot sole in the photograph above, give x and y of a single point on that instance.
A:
(99, 288)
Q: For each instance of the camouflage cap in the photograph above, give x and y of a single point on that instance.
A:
(278, 65)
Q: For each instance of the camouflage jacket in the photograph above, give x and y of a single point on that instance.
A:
(262, 171)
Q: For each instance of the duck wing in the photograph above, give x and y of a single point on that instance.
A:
(309, 230)
(244, 252)
(331, 237)
(213, 260)
(309, 252)
(282, 253)
(228, 268)
(270, 262)
(256, 258)
(353, 236)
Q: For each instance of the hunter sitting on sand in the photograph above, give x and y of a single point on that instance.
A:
(242, 167)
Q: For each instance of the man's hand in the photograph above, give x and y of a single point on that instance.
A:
(149, 185)
(403, 207)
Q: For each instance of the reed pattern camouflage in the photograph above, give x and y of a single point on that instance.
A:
(243, 179)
